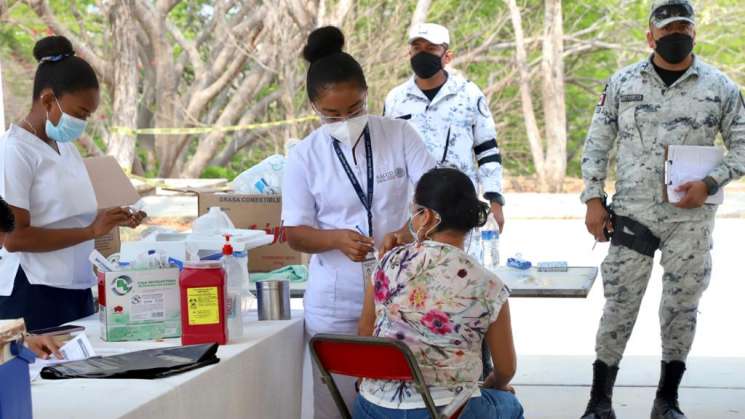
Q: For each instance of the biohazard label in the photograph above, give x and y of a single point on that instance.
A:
(204, 306)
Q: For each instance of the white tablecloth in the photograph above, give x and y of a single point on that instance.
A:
(260, 376)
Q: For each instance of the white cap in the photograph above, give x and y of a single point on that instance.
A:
(432, 32)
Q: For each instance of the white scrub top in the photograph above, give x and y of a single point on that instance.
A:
(56, 191)
(317, 192)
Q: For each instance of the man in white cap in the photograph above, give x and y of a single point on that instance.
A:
(671, 98)
(452, 116)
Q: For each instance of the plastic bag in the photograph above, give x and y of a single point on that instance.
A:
(264, 179)
(212, 223)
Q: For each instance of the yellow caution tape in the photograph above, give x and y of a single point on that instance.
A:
(206, 130)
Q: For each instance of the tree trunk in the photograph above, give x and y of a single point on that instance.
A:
(531, 123)
(554, 104)
(420, 13)
(165, 90)
(2, 100)
(209, 146)
(165, 114)
(124, 89)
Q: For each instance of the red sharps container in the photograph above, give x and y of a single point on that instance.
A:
(203, 297)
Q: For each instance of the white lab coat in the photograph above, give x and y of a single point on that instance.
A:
(56, 191)
(317, 193)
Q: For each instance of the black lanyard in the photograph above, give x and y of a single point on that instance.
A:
(366, 200)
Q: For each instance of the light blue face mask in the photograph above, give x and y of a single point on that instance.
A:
(68, 128)
(414, 233)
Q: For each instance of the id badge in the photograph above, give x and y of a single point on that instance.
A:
(368, 268)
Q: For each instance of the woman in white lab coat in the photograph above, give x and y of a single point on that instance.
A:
(45, 276)
(346, 186)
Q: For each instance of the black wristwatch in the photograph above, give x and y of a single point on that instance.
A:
(494, 197)
(712, 186)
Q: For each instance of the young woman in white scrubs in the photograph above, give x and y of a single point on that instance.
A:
(346, 186)
(45, 276)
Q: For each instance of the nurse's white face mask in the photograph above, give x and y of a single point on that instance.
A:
(348, 131)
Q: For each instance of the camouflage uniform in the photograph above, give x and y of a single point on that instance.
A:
(458, 130)
(644, 115)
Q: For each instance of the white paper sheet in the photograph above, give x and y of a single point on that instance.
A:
(691, 163)
(76, 349)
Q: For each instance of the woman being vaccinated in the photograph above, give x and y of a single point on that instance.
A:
(345, 187)
(439, 301)
(45, 275)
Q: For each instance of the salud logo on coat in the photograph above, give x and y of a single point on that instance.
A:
(390, 175)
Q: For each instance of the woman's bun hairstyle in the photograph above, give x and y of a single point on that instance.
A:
(329, 64)
(52, 47)
(451, 194)
(59, 69)
(323, 42)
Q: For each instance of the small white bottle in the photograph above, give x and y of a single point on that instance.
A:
(233, 274)
(490, 244)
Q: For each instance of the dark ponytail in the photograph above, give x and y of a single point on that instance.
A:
(59, 69)
(452, 194)
(329, 65)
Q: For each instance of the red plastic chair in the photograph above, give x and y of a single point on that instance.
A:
(374, 358)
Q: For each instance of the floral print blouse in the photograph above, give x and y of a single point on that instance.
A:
(440, 302)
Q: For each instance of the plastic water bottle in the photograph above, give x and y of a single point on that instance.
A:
(234, 276)
(490, 244)
(248, 301)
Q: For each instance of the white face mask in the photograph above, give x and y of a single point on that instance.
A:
(348, 131)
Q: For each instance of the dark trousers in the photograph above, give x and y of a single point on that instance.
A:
(42, 306)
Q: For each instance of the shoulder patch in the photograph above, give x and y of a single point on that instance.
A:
(483, 108)
(601, 102)
(603, 96)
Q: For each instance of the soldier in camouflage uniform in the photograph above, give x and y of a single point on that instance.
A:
(671, 98)
(452, 116)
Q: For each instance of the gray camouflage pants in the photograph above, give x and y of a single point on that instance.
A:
(686, 260)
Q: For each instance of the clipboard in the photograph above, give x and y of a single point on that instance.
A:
(687, 163)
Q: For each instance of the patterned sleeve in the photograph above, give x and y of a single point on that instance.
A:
(485, 147)
(732, 127)
(599, 142)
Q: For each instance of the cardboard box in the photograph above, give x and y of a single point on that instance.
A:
(110, 243)
(139, 305)
(256, 212)
(113, 189)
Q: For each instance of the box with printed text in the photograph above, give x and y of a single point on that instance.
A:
(256, 212)
(139, 305)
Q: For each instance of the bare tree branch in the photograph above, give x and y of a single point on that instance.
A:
(531, 124)
(190, 47)
(420, 12)
(165, 6)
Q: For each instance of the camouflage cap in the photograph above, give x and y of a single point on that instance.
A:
(665, 12)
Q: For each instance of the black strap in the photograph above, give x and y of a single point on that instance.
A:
(496, 158)
(485, 146)
(447, 146)
(365, 199)
(640, 239)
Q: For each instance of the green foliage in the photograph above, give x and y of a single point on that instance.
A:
(217, 172)
(376, 35)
